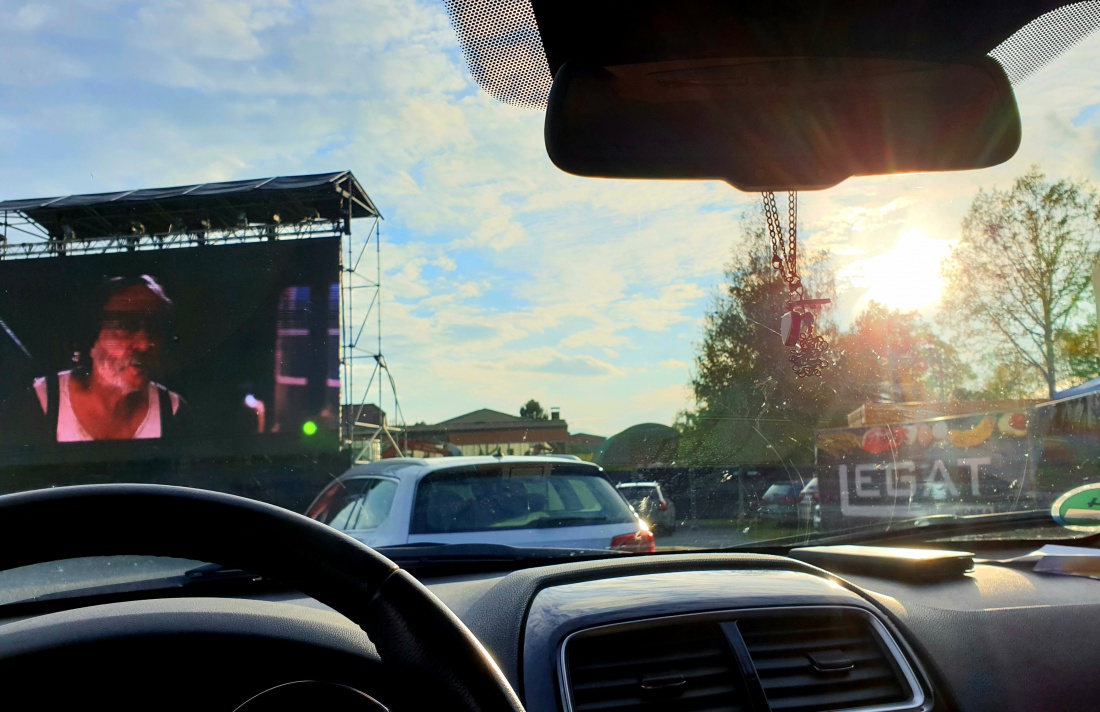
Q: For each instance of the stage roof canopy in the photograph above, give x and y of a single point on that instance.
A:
(191, 208)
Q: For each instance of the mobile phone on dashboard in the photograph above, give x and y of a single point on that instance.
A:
(887, 562)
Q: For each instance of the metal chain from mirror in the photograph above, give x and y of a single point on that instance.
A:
(808, 349)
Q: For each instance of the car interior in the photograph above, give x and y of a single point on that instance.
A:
(791, 95)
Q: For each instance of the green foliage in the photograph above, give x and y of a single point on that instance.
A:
(533, 410)
(750, 406)
(1011, 379)
(1079, 352)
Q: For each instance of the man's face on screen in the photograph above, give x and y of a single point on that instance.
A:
(128, 350)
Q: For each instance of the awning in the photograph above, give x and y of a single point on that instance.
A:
(190, 208)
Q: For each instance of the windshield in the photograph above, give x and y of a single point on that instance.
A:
(305, 258)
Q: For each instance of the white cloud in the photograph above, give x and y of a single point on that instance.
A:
(211, 29)
(445, 263)
(557, 364)
(31, 16)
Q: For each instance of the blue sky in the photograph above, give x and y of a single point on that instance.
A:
(504, 279)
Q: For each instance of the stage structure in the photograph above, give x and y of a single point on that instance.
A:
(229, 213)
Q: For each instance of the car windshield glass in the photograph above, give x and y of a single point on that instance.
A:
(357, 504)
(297, 252)
(636, 494)
(491, 499)
(778, 491)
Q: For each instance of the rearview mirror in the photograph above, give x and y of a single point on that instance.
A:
(780, 123)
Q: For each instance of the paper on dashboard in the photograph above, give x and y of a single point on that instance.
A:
(1061, 559)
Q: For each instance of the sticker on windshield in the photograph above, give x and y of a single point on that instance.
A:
(1079, 509)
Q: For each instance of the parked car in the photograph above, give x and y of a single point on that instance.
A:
(519, 501)
(809, 505)
(780, 504)
(651, 504)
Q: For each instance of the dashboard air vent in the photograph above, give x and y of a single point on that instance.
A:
(657, 667)
(813, 662)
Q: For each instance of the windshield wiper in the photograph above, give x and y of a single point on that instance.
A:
(209, 577)
(434, 555)
(565, 521)
(940, 526)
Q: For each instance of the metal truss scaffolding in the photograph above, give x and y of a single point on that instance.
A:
(362, 343)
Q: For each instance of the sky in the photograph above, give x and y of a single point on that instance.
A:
(504, 279)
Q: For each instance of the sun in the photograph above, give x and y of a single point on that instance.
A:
(907, 277)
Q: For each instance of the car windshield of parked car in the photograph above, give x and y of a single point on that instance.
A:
(488, 499)
(361, 503)
(294, 251)
(638, 493)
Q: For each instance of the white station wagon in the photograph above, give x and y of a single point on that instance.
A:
(515, 501)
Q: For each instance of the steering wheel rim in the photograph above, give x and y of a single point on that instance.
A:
(422, 642)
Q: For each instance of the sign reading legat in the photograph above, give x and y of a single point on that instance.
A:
(974, 464)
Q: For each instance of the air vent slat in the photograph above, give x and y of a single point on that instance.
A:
(808, 644)
(792, 655)
(791, 684)
(836, 700)
(626, 658)
(663, 667)
(628, 701)
(632, 680)
(794, 662)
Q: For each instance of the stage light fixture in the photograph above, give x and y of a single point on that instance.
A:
(242, 220)
(67, 232)
(137, 228)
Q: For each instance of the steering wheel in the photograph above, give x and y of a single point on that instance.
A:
(420, 641)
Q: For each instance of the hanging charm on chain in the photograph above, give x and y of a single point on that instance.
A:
(808, 349)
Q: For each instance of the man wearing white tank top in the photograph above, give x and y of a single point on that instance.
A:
(110, 393)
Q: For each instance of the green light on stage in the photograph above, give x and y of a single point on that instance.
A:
(309, 428)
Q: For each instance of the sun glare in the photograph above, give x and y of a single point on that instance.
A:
(907, 277)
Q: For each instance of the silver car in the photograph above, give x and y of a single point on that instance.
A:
(516, 501)
(651, 504)
(780, 504)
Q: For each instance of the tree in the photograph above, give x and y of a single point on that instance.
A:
(740, 334)
(893, 356)
(1016, 278)
(1079, 351)
(533, 410)
(1011, 379)
(749, 405)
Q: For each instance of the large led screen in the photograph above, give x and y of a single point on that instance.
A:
(216, 350)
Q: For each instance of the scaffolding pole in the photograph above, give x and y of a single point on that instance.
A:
(358, 434)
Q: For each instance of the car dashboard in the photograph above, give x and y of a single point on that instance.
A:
(630, 635)
(668, 632)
